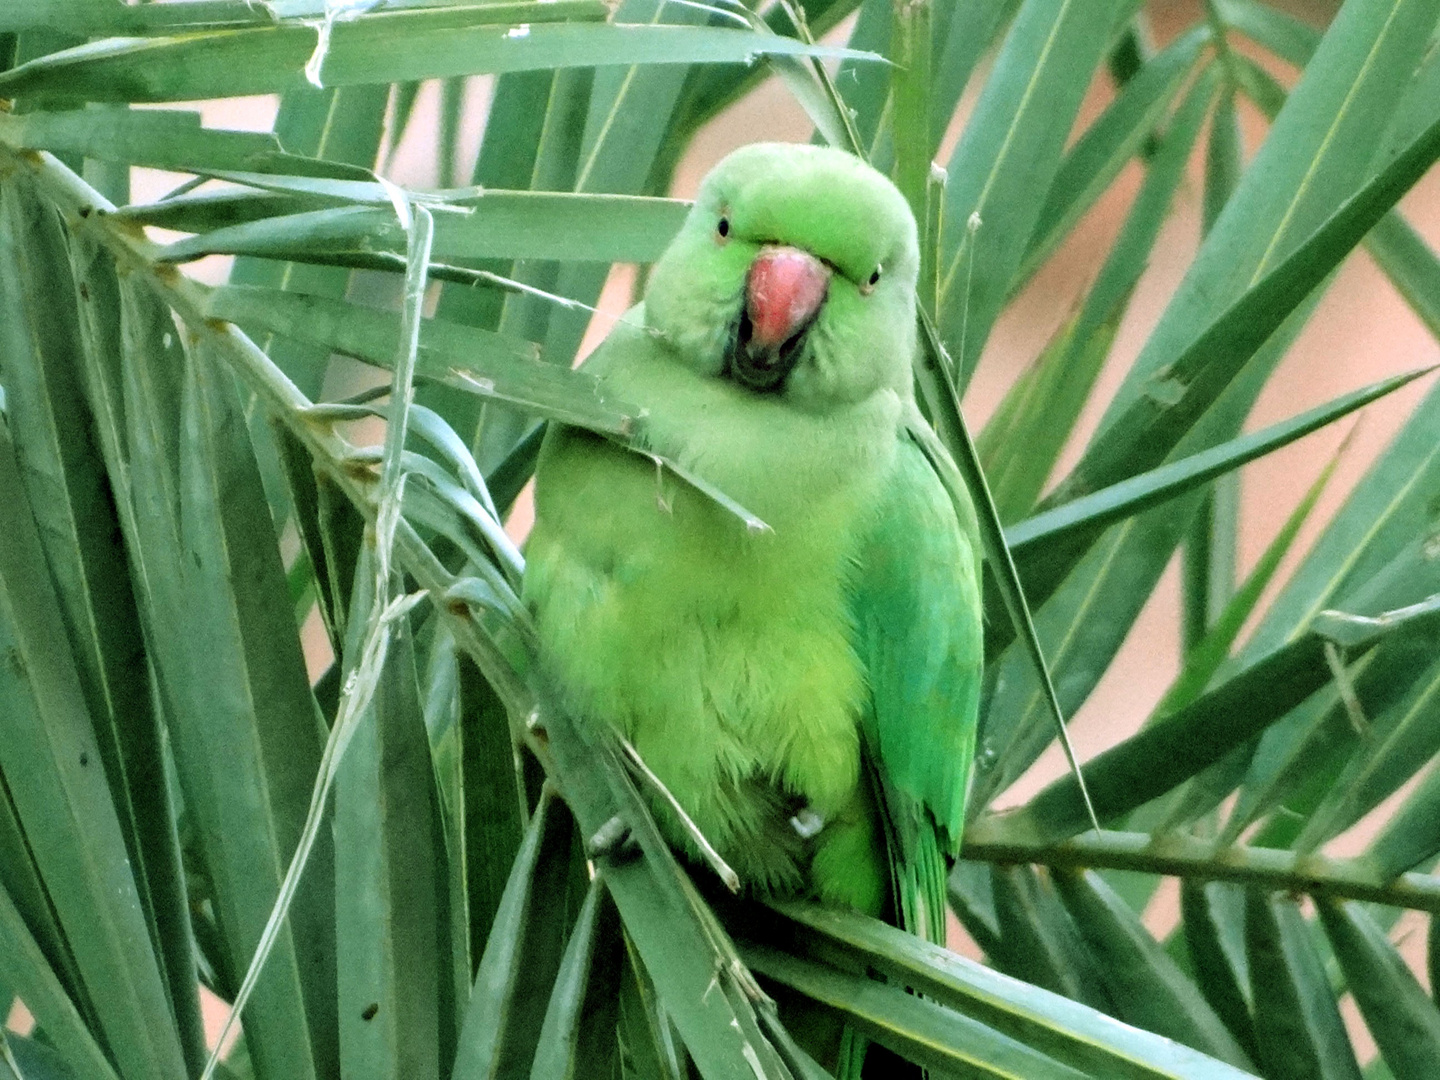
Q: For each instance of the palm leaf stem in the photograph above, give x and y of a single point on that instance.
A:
(1180, 855)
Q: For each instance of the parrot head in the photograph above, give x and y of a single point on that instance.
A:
(793, 276)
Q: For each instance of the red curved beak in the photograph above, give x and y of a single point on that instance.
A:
(783, 292)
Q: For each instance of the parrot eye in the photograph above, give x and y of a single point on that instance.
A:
(869, 286)
(723, 228)
(875, 277)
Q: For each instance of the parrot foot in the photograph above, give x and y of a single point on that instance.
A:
(613, 841)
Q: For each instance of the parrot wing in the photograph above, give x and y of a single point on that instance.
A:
(916, 605)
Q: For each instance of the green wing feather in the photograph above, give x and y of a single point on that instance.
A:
(917, 610)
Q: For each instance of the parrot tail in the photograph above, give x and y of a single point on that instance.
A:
(920, 886)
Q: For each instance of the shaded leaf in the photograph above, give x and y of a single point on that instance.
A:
(1397, 1011)
(33, 979)
(1107, 144)
(1038, 941)
(53, 769)
(578, 1037)
(1213, 920)
(389, 875)
(1147, 987)
(1174, 399)
(1023, 440)
(911, 1026)
(491, 225)
(474, 360)
(1007, 157)
(1160, 756)
(1297, 1021)
(1081, 518)
(1065, 1030)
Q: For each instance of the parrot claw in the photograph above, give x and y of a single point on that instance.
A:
(613, 840)
(807, 823)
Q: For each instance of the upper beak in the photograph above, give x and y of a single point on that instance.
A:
(784, 291)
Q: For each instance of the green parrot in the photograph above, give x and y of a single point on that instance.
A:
(807, 693)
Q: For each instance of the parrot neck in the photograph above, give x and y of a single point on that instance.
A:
(777, 461)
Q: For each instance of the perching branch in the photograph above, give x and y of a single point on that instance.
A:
(1179, 855)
